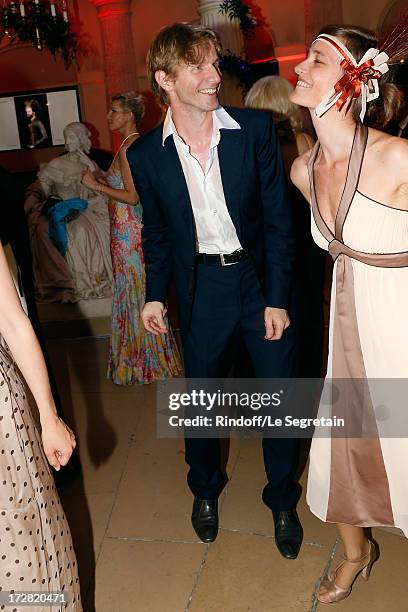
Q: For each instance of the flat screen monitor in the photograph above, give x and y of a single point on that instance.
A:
(36, 119)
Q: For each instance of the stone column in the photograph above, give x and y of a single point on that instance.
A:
(232, 39)
(228, 29)
(319, 13)
(119, 55)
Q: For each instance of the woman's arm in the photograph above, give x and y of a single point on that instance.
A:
(128, 194)
(17, 331)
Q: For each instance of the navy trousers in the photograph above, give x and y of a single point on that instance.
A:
(229, 309)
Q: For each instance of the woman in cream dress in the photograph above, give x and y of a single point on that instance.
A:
(357, 182)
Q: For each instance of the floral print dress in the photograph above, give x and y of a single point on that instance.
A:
(136, 356)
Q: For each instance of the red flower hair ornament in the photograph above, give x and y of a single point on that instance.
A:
(360, 79)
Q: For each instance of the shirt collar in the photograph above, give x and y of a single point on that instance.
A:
(221, 121)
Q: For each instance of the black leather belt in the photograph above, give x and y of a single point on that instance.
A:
(227, 259)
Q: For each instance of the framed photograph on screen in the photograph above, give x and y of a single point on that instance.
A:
(36, 119)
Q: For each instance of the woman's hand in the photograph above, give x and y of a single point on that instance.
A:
(89, 180)
(58, 442)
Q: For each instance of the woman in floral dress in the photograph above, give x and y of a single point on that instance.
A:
(136, 356)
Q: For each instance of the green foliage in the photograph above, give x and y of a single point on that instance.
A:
(236, 9)
(231, 63)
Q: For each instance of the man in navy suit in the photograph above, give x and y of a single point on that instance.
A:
(215, 213)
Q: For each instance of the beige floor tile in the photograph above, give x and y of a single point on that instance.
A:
(146, 576)
(86, 525)
(147, 425)
(393, 530)
(87, 361)
(92, 378)
(387, 588)
(246, 573)
(88, 350)
(105, 424)
(316, 532)
(153, 500)
(234, 450)
(58, 351)
(134, 486)
(99, 508)
(88, 516)
(243, 509)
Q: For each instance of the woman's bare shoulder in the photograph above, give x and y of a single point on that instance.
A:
(299, 172)
(389, 148)
(391, 153)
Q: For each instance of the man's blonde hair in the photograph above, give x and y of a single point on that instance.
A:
(272, 93)
(177, 44)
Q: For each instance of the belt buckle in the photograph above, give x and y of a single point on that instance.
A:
(225, 263)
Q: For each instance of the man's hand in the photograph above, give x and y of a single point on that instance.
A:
(153, 317)
(276, 321)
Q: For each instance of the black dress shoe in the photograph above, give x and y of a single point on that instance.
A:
(288, 533)
(205, 519)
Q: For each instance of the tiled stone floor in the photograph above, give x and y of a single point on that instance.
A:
(130, 516)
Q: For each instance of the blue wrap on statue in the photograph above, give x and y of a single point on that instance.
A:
(58, 214)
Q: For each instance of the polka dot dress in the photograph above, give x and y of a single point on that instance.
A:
(36, 552)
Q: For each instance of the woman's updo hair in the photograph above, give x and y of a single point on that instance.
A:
(131, 102)
(272, 93)
(388, 105)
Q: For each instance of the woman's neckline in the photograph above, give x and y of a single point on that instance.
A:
(367, 197)
(345, 185)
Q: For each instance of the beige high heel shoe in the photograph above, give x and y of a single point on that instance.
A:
(337, 593)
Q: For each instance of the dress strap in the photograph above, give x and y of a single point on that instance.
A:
(121, 145)
(310, 167)
(378, 260)
(324, 230)
(350, 186)
(352, 178)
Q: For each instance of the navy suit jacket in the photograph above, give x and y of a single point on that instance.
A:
(255, 190)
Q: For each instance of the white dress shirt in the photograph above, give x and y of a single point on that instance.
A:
(215, 230)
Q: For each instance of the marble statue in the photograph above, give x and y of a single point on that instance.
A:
(85, 271)
(62, 175)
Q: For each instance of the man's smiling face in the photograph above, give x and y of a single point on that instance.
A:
(196, 85)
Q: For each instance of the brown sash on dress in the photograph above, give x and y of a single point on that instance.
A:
(359, 492)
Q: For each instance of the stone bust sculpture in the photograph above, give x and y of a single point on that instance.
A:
(62, 176)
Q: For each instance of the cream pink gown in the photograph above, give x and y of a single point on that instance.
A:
(363, 481)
